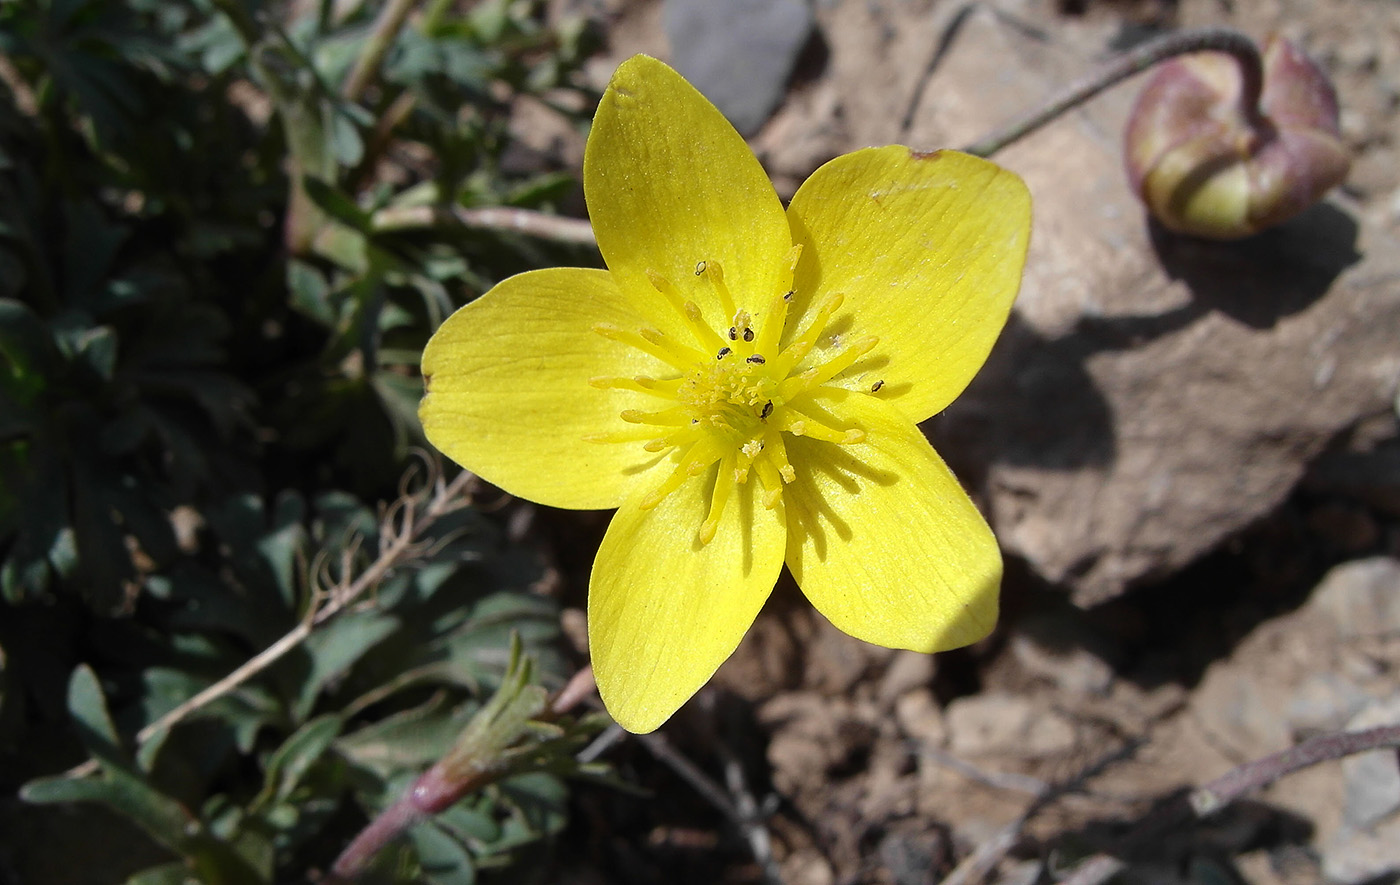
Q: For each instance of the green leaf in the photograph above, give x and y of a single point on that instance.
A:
(177, 873)
(337, 204)
(336, 647)
(162, 817)
(298, 753)
(406, 740)
(445, 860)
(28, 347)
(89, 709)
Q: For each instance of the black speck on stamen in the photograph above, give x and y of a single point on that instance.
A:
(767, 409)
(699, 268)
(723, 352)
(756, 359)
(733, 334)
(877, 385)
(748, 334)
(788, 295)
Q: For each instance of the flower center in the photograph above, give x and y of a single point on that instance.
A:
(731, 394)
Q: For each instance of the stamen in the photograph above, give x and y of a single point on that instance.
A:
(718, 499)
(807, 339)
(668, 354)
(641, 384)
(771, 329)
(677, 417)
(800, 424)
(673, 482)
(685, 436)
(742, 327)
(777, 452)
(820, 374)
(772, 482)
(842, 361)
(716, 275)
(657, 337)
(663, 285)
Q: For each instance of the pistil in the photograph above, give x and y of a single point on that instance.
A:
(733, 392)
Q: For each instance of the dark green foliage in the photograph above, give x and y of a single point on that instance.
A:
(208, 383)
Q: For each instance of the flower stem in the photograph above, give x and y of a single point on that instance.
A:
(1134, 61)
(386, 30)
(437, 789)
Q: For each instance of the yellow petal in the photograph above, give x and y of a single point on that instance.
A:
(883, 540)
(663, 611)
(669, 184)
(927, 250)
(509, 395)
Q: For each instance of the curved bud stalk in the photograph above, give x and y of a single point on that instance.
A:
(1214, 154)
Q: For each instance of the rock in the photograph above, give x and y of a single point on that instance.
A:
(1152, 394)
(1366, 847)
(920, 718)
(996, 723)
(739, 53)
(814, 737)
(911, 853)
(1363, 857)
(1070, 666)
(1362, 597)
(1239, 713)
(807, 868)
(1373, 779)
(1324, 702)
(908, 671)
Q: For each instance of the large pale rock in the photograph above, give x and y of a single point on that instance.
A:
(1153, 394)
(739, 53)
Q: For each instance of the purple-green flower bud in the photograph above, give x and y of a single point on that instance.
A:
(1207, 163)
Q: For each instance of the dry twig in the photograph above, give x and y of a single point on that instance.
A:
(401, 532)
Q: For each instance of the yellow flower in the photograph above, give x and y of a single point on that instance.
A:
(743, 384)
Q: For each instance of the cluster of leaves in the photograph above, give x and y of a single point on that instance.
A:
(207, 380)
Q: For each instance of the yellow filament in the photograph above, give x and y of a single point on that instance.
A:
(777, 453)
(820, 374)
(718, 499)
(803, 344)
(676, 417)
(715, 272)
(663, 285)
(771, 328)
(657, 337)
(641, 384)
(667, 354)
(799, 424)
(673, 482)
(772, 482)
